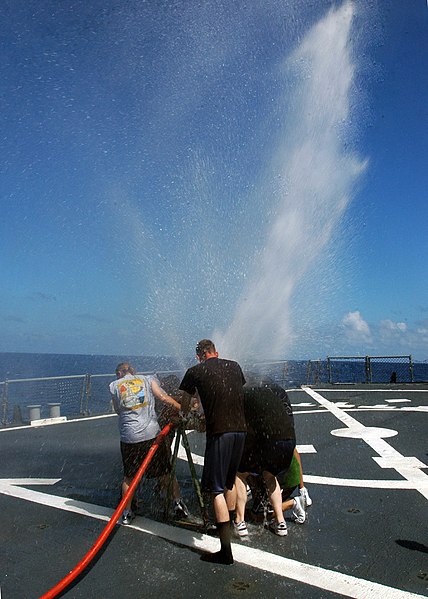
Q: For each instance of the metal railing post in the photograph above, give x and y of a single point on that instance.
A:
(83, 393)
(367, 367)
(411, 368)
(4, 403)
(308, 373)
(88, 392)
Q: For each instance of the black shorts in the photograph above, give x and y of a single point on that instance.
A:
(273, 456)
(222, 456)
(133, 455)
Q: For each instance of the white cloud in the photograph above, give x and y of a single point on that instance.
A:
(385, 337)
(356, 328)
(389, 327)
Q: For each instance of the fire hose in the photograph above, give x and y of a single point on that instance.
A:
(85, 561)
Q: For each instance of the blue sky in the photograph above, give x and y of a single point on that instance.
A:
(254, 172)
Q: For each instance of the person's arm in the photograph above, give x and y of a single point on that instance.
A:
(186, 402)
(113, 397)
(188, 387)
(159, 393)
(113, 403)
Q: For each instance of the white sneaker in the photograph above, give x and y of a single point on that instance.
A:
(279, 528)
(304, 493)
(241, 528)
(127, 517)
(299, 510)
(180, 509)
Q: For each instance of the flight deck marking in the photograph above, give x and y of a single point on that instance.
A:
(397, 400)
(24, 426)
(355, 390)
(199, 460)
(391, 458)
(368, 409)
(364, 484)
(322, 578)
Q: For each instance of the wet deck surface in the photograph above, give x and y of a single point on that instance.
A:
(366, 534)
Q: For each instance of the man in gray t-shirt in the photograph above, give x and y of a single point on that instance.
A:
(134, 402)
(133, 399)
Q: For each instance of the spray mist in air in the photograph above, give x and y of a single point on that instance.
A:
(317, 177)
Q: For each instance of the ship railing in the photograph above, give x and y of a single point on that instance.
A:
(88, 394)
(72, 396)
(371, 369)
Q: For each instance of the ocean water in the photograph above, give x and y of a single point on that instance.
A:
(79, 394)
(289, 372)
(28, 365)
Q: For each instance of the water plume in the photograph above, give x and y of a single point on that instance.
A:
(317, 174)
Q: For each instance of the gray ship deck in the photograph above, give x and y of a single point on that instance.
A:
(364, 453)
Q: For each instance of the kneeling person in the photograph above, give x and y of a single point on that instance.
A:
(268, 449)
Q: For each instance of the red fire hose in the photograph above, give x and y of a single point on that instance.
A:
(112, 522)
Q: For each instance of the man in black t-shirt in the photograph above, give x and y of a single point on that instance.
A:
(219, 384)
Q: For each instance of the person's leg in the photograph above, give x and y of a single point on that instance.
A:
(164, 482)
(241, 496)
(278, 525)
(296, 504)
(179, 507)
(297, 456)
(274, 491)
(287, 504)
(125, 486)
(130, 459)
(230, 495)
(220, 507)
(302, 489)
(222, 456)
(224, 556)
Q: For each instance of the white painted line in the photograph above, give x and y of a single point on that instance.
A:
(399, 463)
(366, 390)
(309, 412)
(303, 405)
(321, 578)
(363, 484)
(382, 448)
(199, 460)
(332, 481)
(370, 431)
(306, 449)
(397, 400)
(47, 421)
(367, 409)
(377, 407)
(335, 410)
(421, 486)
(62, 503)
(29, 481)
(83, 419)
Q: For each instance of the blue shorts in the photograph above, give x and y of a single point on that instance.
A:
(222, 457)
